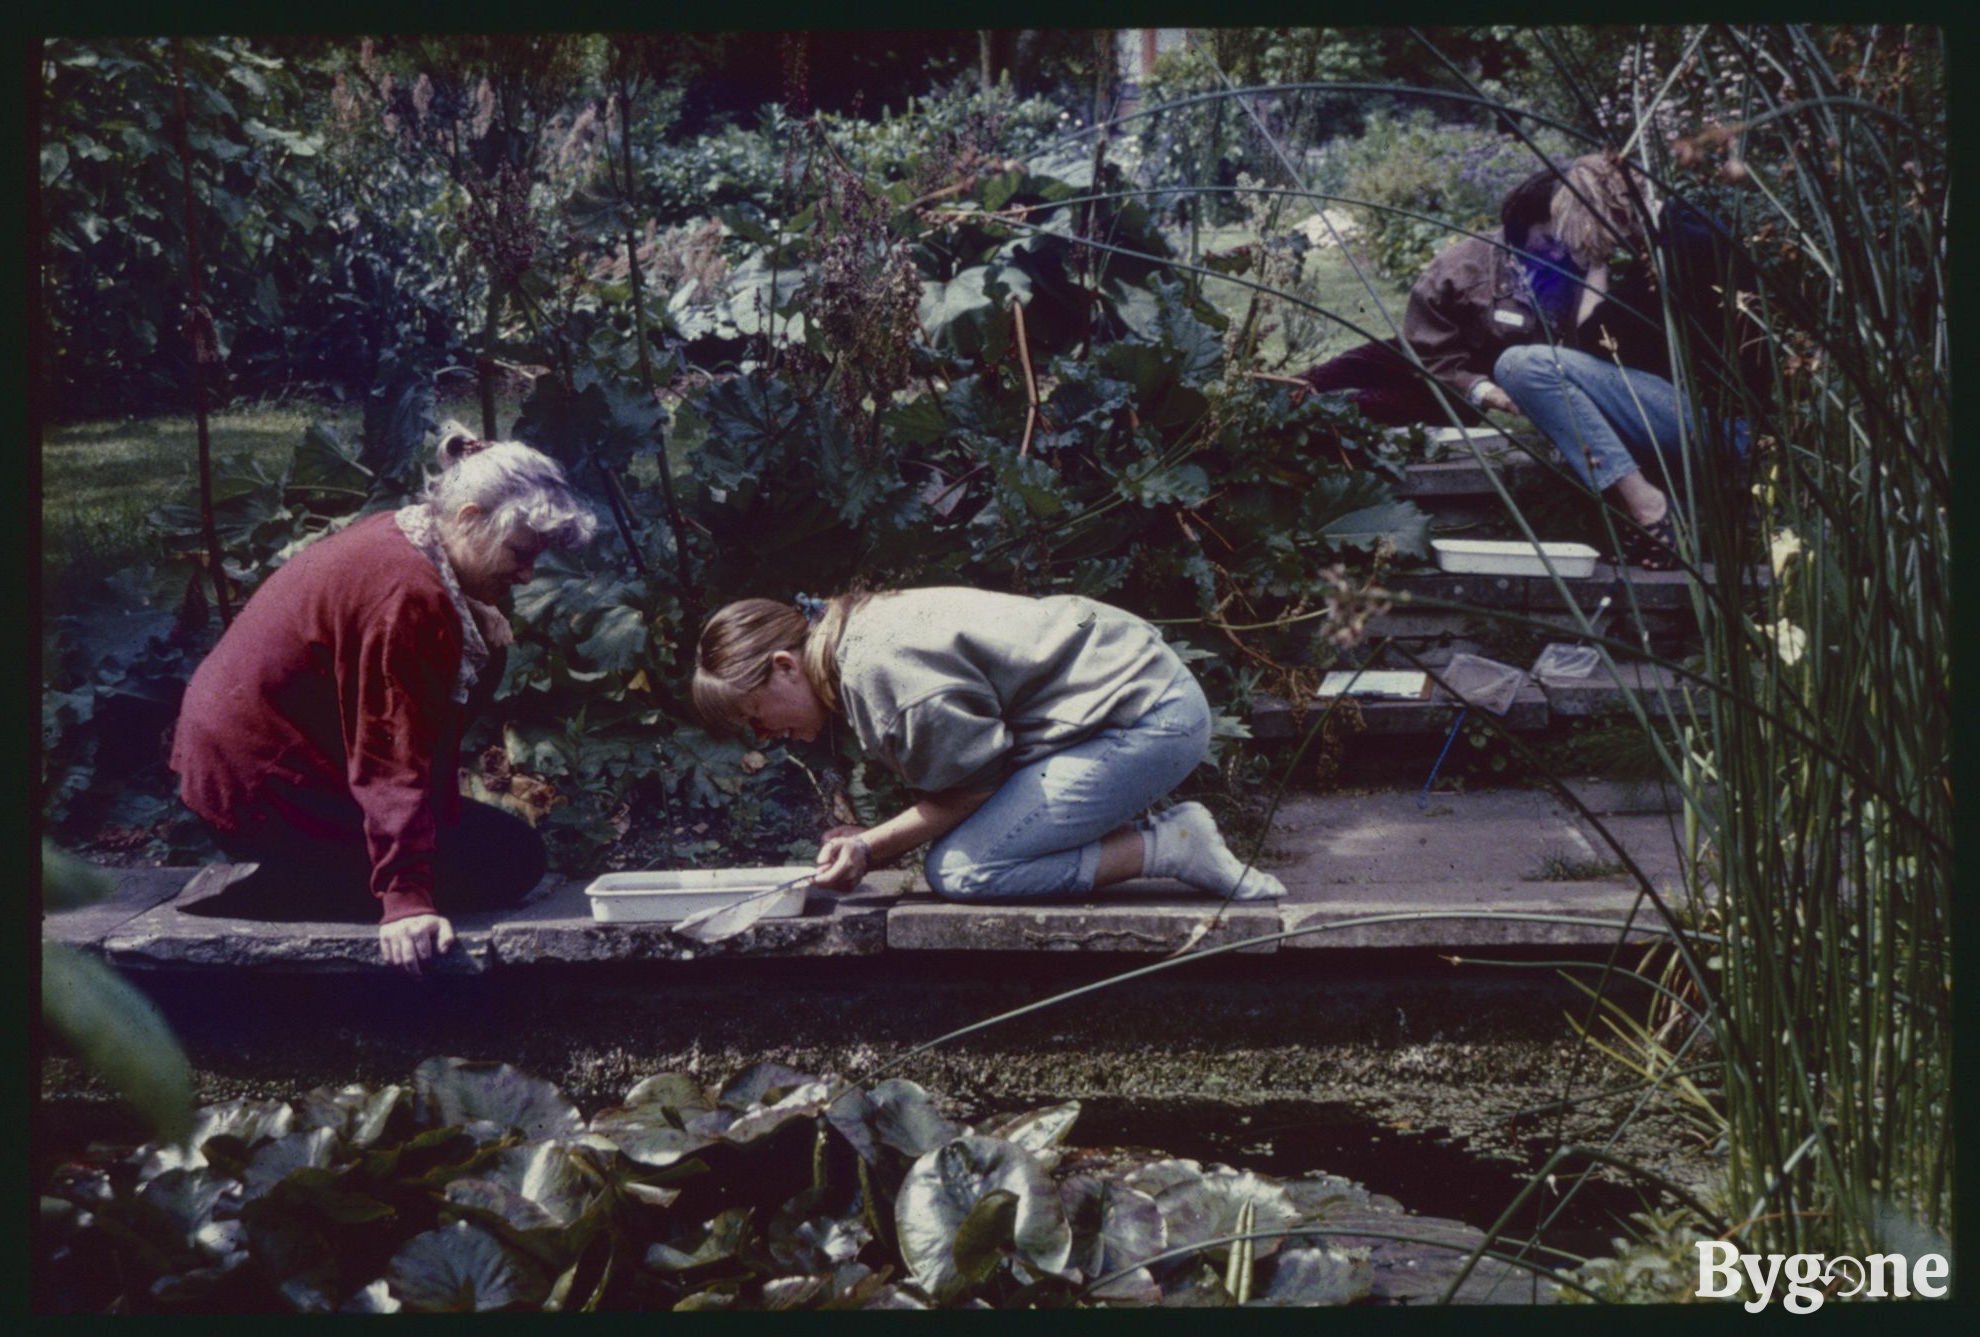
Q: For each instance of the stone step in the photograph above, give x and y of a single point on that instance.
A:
(1660, 692)
(1434, 875)
(1456, 473)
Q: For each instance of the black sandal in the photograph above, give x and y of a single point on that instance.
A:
(1652, 547)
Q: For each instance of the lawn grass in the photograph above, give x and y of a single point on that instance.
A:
(1300, 338)
(100, 480)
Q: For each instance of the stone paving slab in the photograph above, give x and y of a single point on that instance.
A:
(1660, 691)
(137, 890)
(1437, 902)
(558, 927)
(1159, 917)
(1504, 836)
(1341, 855)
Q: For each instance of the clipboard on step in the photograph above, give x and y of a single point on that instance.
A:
(1376, 685)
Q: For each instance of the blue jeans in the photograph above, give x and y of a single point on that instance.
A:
(1607, 421)
(1039, 834)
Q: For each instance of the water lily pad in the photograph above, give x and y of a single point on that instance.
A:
(273, 1161)
(803, 1102)
(808, 1235)
(1209, 1207)
(501, 1201)
(1114, 1227)
(712, 1242)
(1310, 1275)
(376, 1298)
(558, 1178)
(943, 1188)
(188, 1198)
(461, 1091)
(761, 1084)
(795, 1292)
(1156, 1177)
(905, 1118)
(1039, 1131)
(358, 1113)
(462, 1268)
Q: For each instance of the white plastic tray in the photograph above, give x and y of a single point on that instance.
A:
(658, 898)
(1492, 557)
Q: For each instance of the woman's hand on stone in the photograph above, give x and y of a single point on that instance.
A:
(407, 942)
(843, 858)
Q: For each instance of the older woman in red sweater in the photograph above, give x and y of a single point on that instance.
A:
(321, 737)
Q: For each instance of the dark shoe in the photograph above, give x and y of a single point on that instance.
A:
(1651, 547)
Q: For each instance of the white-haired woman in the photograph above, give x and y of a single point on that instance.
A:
(1034, 731)
(321, 737)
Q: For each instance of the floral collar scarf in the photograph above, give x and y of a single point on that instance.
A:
(416, 523)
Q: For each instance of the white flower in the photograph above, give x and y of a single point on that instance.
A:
(1785, 545)
(1789, 640)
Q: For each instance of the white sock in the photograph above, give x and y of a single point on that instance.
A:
(1184, 843)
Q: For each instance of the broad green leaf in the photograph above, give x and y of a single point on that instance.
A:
(1399, 523)
(449, 1091)
(119, 1035)
(323, 463)
(617, 640)
(462, 1268)
(66, 881)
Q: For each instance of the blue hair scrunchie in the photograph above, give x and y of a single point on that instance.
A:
(813, 609)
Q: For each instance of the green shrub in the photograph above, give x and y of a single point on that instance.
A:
(1455, 175)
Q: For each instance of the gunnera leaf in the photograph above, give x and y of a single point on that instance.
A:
(942, 1189)
(460, 1269)
(462, 1091)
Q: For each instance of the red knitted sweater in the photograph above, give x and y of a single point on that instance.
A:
(336, 680)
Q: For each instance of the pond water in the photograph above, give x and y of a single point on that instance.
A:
(1430, 1172)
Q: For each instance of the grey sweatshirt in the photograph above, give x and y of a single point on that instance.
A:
(955, 688)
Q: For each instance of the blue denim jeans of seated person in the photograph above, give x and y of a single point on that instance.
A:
(1039, 834)
(1607, 421)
